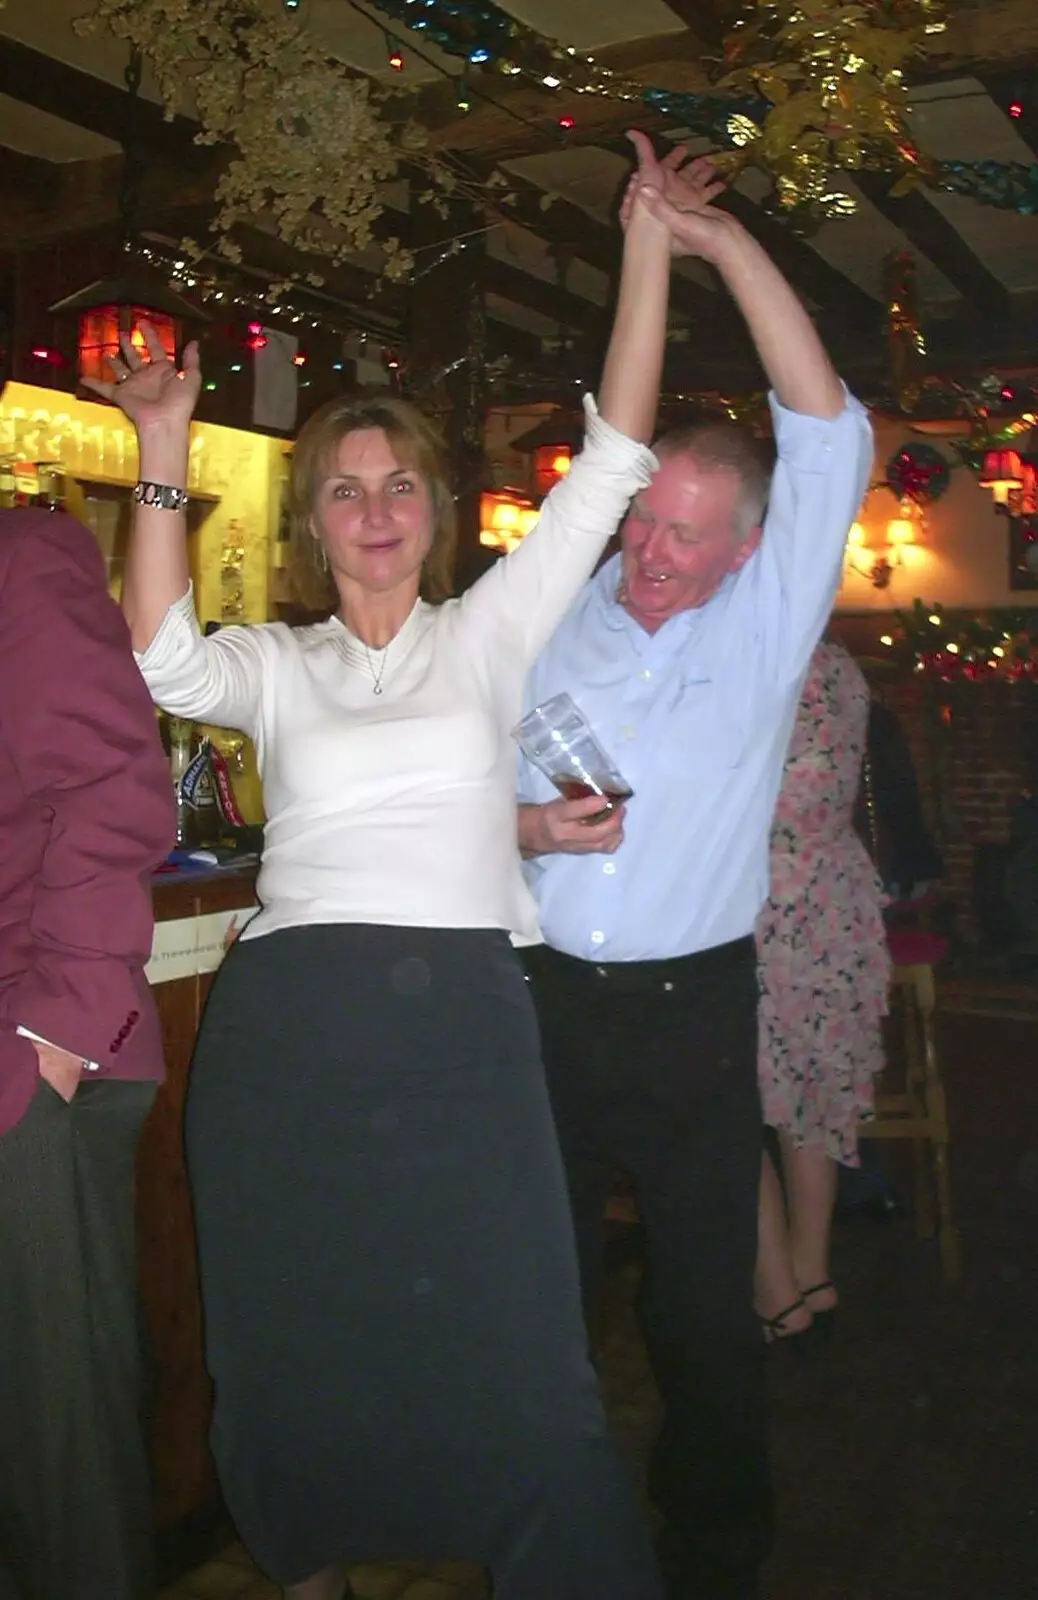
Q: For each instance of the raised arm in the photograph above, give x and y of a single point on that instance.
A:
(629, 392)
(528, 593)
(791, 352)
(159, 402)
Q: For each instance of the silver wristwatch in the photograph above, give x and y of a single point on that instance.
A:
(163, 496)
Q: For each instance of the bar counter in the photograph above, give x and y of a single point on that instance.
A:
(196, 913)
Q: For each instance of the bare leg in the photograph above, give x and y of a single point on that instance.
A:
(775, 1285)
(327, 1585)
(811, 1185)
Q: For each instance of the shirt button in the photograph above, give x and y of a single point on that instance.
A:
(609, 868)
(628, 731)
(597, 937)
(645, 673)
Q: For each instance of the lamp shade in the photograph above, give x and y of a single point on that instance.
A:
(112, 307)
(552, 444)
(901, 530)
(137, 288)
(505, 518)
(1002, 473)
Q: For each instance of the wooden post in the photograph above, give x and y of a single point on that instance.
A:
(446, 358)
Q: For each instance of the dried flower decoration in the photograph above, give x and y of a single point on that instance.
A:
(310, 141)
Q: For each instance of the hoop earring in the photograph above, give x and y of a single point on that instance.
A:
(320, 555)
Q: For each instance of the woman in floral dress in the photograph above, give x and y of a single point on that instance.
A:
(824, 972)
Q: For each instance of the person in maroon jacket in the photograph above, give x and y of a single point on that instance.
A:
(86, 812)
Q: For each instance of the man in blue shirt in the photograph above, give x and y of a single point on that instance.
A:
(686, 654)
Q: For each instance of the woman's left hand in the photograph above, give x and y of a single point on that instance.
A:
(148, 387)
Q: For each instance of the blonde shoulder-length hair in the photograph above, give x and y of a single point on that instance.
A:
(416, 444)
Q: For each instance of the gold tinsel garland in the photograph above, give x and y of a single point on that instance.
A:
(833, 76)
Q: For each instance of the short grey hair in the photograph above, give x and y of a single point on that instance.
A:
(726, 447)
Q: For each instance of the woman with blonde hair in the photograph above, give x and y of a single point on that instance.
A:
(393, 1318)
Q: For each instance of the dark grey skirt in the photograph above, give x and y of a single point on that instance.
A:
(392, 1310)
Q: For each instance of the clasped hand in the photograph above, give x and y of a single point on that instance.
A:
(678, 190)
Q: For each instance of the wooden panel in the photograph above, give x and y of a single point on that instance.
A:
(184, 1476)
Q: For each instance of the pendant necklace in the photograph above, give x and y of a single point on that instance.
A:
(377, 674)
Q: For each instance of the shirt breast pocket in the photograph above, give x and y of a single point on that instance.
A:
(702, 728)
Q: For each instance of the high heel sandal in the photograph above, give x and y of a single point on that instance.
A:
(824, 1319)
(776, 1332)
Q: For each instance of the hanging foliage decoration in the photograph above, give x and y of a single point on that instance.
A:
(311, 142)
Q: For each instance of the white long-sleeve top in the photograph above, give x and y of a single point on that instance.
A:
(400, 807)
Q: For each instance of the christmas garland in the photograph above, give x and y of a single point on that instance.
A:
(817, 89)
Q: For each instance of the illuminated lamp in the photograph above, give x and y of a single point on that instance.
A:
(875, 555)
(1002, 473)
(505, 518)
(551, 445)
(113, 306)
(901, 531)
(550, 463)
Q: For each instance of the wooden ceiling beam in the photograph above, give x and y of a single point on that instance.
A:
(69, 204)
(44, 200)
(548, 299)
(91, 103)
(999, 37)
(572, 231)
(523, 119)
(1018, 89)
(930, 232)
(848, 312)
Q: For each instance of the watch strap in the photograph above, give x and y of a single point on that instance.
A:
(162, 496)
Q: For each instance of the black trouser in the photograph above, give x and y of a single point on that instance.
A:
(75, 1497)
(652, 1066)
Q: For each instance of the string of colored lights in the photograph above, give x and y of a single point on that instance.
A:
(487, 37)
(999, 644)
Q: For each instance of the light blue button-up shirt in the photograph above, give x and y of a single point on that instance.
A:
(698, 717)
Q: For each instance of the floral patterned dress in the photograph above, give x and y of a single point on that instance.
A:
(821, 943)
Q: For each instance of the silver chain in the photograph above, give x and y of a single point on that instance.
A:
(376, 677)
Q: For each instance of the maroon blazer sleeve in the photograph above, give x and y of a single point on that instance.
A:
(79, 729)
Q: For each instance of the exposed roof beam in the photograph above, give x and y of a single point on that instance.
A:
(934, 236)
(87, 102)
(44, 200)
(101, 107)
(997, 37)
(524, 289)
(573, 231)
(1020, 90)
(848, 312)
(1002, 34)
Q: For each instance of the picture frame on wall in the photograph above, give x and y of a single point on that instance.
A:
(1023, 552)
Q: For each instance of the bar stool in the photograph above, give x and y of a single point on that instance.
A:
(918, 1109)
